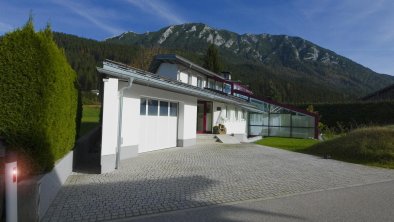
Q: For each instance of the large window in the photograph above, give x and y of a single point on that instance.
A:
(153, 107)
(199, 82)
(173, 109)
(163, 108)
(211, 83)
(143, 106)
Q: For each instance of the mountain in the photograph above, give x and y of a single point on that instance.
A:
(286, 68)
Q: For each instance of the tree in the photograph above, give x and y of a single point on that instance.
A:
(212, 60)
(38, 99)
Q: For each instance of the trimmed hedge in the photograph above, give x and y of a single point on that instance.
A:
(38, 99)
(353, 115)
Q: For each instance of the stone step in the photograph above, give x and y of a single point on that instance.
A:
(206, 138)
(228, 139)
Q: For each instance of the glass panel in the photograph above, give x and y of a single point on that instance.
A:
(152, 107)
(173, 109)
(200, 117)
(280, 131)
(255, 119)
(211, 83)
(199, 82)
(280, 120)
(143, 107)
(163, 108)
(258, 130)
(303, 132)
(219, 86)
(227, 88)
(303, 121)
(209, 117)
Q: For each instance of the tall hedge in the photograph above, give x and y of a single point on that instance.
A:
(38, 97)
(353, 115)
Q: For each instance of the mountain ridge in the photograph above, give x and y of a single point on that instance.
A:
(281, 53)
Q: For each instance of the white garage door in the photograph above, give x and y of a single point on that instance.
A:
(158, 124)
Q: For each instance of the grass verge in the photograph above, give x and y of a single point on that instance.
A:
(90, 118)
(373, 146)
(291, 144)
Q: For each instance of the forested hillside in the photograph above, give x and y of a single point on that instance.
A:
(287, 69)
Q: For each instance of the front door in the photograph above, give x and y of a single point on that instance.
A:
(204, 117)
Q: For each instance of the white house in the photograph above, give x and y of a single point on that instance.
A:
(171, 104)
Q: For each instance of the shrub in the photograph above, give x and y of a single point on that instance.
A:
(347, 116)
(373, 145)
(38, 97)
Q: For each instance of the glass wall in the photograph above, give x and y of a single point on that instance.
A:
(280, 121)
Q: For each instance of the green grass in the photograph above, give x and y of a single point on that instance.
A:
(373, 146)
(90, 118)
(292, 144)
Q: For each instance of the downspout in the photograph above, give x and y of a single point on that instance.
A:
(120, 114)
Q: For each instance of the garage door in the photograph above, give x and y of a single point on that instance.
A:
(158, 124)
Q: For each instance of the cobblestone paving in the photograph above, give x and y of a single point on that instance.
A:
(203, 175)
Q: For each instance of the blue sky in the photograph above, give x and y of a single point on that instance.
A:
(362, 30)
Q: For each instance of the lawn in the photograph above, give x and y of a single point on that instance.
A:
(90, 118)
(292, 144)
(373, 146)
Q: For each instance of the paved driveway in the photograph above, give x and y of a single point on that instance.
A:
(203, 175)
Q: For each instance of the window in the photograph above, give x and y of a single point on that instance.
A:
(227, 88)
(199, 82)
(152, 107)
(211, 83)
(163, 108)
(143, 107)
(219, 86)
(173, 109)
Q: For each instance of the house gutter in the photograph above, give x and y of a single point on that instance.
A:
(120, 117)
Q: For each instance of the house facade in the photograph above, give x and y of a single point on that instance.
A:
(176, 100)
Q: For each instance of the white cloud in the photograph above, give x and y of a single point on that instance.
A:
(86, 12)
(158, 8)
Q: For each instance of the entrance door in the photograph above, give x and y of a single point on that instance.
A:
(204, 117)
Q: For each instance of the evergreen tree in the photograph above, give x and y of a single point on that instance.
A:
(212, 60)
(38, 99)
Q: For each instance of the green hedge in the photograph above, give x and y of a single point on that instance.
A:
(353, 115)
(38, 99)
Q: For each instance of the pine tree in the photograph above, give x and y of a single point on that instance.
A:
(212, 60)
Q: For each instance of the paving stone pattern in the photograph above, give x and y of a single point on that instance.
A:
(203, 175)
